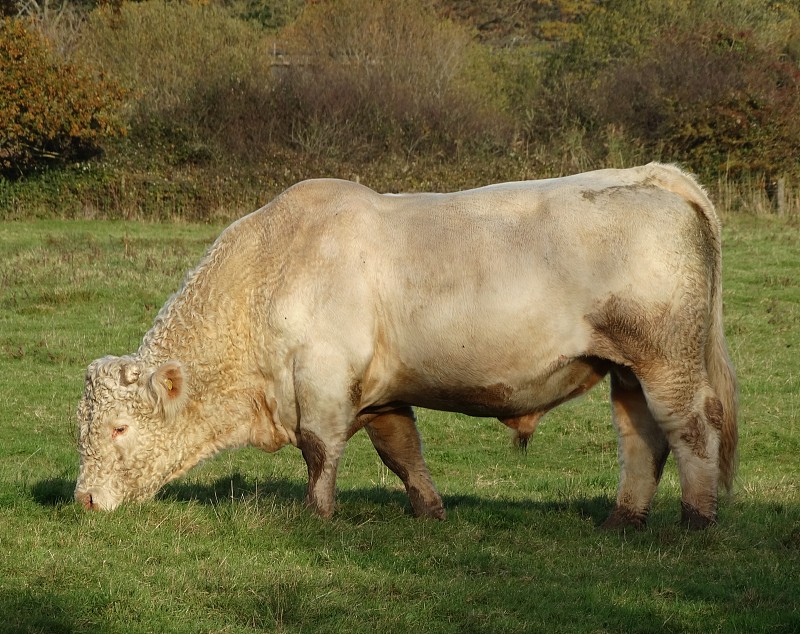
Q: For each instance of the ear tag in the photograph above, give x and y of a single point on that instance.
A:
(168, 383)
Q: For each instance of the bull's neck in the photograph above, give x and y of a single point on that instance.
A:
(195, 329)
(207, 326)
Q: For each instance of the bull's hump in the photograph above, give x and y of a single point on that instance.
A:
(320, 193)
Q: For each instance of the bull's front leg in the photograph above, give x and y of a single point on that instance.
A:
(322, 454)
(326, 417)
(396, 439)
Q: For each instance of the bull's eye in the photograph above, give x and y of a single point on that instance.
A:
(118, 431)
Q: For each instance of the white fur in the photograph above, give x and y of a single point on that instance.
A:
(487, 301)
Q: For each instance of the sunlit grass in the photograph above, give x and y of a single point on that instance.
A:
(231, 548)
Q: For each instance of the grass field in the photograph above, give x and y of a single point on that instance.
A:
(230, 547)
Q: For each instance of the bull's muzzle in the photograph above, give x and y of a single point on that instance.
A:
(95, 500)
(86, 500)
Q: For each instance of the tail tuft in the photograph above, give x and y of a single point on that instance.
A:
(723, 380)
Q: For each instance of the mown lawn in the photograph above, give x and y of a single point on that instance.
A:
(230, 548)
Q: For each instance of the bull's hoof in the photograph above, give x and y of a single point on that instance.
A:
(693, 519)
(435, 512)
(622, 518)
(433, 508)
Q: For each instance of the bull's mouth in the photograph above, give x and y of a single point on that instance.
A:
(86, 500)
(94, 501)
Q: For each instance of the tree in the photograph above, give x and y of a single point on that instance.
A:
(49, 111)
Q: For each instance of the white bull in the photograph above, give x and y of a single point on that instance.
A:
(334, 308)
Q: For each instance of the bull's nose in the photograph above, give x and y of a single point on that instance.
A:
(84, 498)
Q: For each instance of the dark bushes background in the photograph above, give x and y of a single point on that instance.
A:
(226, 96)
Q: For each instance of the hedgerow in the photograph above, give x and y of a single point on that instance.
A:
(227, 98)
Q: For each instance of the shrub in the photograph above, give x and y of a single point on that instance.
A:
(58, 20)
(270, 14)
(712, 86)
(713, 97)
(385, 75)
(49, 111)
(198, 76)
(362, 79)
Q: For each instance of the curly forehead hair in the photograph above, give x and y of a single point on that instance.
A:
(108, 380)
(124, 380)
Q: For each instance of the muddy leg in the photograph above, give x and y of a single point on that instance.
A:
(690, 415)
(322, 460)
(643, 450)
(397, 442)
(325, 417)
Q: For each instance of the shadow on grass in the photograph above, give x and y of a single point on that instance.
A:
(238, 487)
(380, 501)
(233, 487)
(54, 492)
(33, 611)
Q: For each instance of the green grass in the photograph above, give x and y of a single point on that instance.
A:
(230, 548)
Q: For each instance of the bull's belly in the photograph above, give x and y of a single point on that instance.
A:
(496, 395)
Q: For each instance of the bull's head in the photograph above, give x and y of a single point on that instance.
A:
(127, 430)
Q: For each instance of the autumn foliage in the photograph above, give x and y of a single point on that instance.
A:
(50, 111)
(279, 90)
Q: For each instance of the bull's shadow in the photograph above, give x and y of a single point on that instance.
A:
(284, 491)
(53, 492)
(233, 487)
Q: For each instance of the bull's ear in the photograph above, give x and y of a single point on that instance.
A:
(168, 387)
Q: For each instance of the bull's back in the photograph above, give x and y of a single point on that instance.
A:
(501, 262)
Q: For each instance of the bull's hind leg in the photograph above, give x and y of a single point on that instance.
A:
(397, 442)
(643, 450)
(665, 347)
(690, 415)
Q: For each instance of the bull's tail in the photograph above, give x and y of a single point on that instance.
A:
(721, 373)
(723, 381)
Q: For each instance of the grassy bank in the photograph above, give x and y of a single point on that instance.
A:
(230, 548)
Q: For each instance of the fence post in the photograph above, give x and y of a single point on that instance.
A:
(781, 195)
